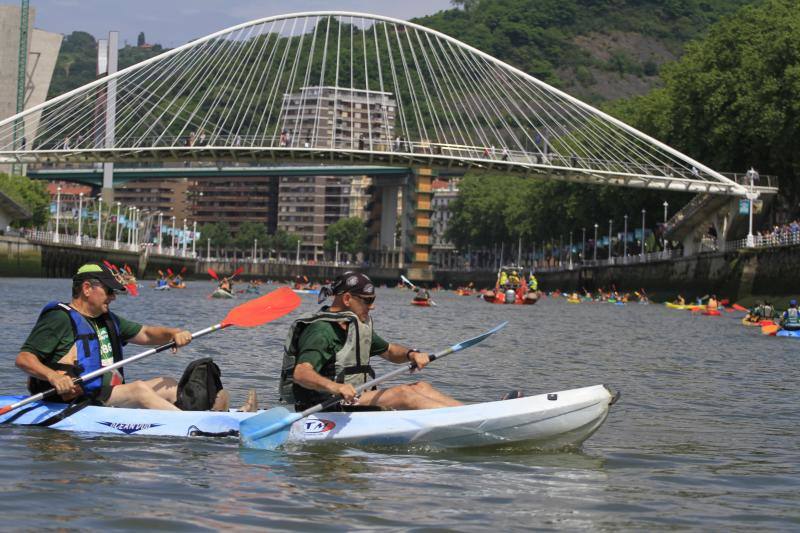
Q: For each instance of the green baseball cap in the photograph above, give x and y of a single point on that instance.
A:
(101, 273)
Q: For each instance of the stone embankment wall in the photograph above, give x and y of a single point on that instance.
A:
(19, 258)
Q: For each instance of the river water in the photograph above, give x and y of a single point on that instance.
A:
(705, 435)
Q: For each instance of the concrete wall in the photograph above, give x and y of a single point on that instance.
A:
(19, 258)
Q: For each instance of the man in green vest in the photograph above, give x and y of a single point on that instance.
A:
(76, 338)
(327, 354)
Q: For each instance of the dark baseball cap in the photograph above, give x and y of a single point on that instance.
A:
(101, 273)
(355, 283)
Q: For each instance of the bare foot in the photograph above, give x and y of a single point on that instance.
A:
(251, 405)
(222, 401)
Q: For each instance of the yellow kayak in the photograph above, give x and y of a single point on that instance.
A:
(573, 301)
(682, 306)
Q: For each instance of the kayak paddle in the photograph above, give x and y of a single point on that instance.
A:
(406, 280)
(212, 273)
(253, 313)
(270, 429)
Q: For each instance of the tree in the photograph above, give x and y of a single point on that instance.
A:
(29, 193)
(350, 233)
(140, 40)
(284, 241)
(249, 232)
(219, 234)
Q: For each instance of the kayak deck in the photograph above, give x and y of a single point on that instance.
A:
(547, 421)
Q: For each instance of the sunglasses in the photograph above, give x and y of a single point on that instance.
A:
(369, 300)
(109, 290)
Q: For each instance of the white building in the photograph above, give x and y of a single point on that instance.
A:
(443, 252)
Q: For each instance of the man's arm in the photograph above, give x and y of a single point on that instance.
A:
(156, 335)
(308, 378)
(31, 365)
(399, 354)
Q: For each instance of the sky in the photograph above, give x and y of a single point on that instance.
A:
(175, 22)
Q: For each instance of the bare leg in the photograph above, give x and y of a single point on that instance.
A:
(138, 394)
(418, 395)
(167, 388)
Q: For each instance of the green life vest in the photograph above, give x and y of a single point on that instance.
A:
(349, 365)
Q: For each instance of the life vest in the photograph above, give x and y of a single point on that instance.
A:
(792, 317)
(88, 348)
(533, 284)
(768, 312)
(349, 365)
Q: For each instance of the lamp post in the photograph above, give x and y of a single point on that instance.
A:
(644, 212)
(116, 231)
(336, 256)
(160, 234)
(583, 246)
(255, 244)
(99, 241)
(208, 249)
(610, 251)
(172, 245)
(625, 241)
(79, 240)
(194, 237)
(58, 212)
(666, 206)
(751, 195)
(183, 235)
(570, 249)
(595, 240)
(297, 256)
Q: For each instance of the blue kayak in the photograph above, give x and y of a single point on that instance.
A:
(788, 333)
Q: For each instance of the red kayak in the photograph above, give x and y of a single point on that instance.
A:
(711, 312)
(421, 303)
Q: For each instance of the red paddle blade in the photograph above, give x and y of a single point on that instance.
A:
(110, 265)
(128, 269)
(183, 270)
(237, 271)
(739, 307)
(274, 305)
(169, 271)
(212, 273)
(133, 290)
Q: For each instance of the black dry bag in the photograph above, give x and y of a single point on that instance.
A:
(199, 385)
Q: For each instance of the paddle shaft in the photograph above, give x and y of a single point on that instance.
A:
(109, 368)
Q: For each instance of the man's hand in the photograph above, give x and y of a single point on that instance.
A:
(346, 391)
(181, 338)
(64, 385)
(421, 359)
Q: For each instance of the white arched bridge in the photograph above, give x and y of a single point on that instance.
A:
(345, 87)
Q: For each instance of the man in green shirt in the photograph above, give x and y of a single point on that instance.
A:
(327, 354)
(85, 332)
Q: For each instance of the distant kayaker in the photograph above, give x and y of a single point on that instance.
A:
(226, 285)
(768, 311)
(533, 283)
(791, 317)
(85, 333)
(327, 354)
(680, 300)
(502, 281)
(713, 303)
(423, 295)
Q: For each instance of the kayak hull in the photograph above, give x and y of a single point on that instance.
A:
(788, 333)
(681, 306)
(306, 291)
(220, 293)
(421, 303)
(548, 421)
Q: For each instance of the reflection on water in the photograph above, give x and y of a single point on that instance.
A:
(705, 436)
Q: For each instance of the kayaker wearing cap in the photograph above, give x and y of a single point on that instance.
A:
(422, 294)
(791, 317)
(327, 354)
(84, 335)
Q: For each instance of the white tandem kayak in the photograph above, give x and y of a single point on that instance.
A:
(547, 421)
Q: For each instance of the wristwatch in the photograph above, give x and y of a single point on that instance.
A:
(409, 352)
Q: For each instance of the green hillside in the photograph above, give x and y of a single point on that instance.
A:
(594, 50)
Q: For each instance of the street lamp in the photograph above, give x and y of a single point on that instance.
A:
(751, 195)
(297, 257)
(183, 235)
(595, 240)
(255, 244)
(644, 212)
(116, 232)
(58, 212)
(625, 241)
(583, 246)
(336, 257)
(610, 252)
(570, 249)
(666, 205)
(79, 241)
(99, 241)
(160, 229)
(172, 245)
(194, 237)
